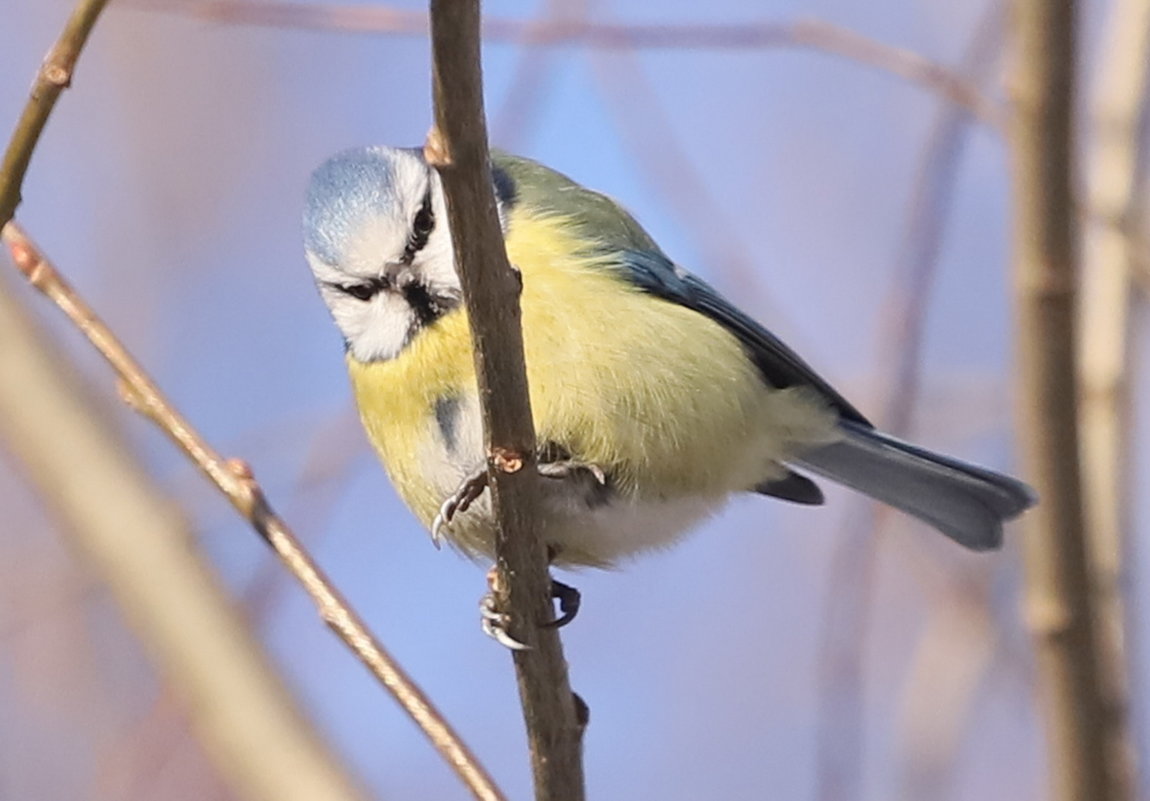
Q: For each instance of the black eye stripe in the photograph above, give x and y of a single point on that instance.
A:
(421, 227)
(424, 221)
(364, 291)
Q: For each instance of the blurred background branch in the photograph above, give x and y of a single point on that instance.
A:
(849, 605)
(53, 77)
(1062, 604)
(234, 478)
(1116, 187)
(141, 546)
(808, 33)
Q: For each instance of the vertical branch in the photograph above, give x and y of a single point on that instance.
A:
(54, 76)
(457, 147)
(1061, 604)
(1110, 254)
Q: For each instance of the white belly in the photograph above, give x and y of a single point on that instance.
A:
(583, 525)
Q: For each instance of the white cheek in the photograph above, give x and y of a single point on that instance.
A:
(376, 329)
(437, 263)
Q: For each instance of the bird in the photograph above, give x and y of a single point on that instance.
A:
(655, 399)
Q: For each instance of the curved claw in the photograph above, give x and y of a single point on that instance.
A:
(456, 503)
(569, 599)
(564, 468)
(498, 634)
(494, 625)
(442, 518)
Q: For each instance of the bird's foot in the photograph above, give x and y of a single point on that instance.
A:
(492, 620)
(566, 468)
(457, 503)
(569, 599)
(495, 622)
(472, 487)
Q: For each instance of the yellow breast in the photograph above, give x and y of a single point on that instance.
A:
(661, 397)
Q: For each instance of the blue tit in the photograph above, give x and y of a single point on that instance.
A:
(654, 397)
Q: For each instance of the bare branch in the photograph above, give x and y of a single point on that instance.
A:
(1062, 605)
(235, 480)
(54, 77)
(457, 147)
(136, 540)
(807, 33)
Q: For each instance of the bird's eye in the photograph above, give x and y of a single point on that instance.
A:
(424, 221)
(360, 291)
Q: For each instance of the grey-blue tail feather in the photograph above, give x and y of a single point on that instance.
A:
(965, 502)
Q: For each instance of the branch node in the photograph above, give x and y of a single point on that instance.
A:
(28, 262)
(241, 469)
(1047, 619)
(435, 150)
(507, 460)
(131, 398)
(57, 74)
(582, 711)
(249, 496)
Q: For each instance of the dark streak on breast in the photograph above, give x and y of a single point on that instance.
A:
(447, 417)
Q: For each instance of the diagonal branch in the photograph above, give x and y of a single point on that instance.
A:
(234, 478)
(139, 544)
(457, 147)
(54, 77)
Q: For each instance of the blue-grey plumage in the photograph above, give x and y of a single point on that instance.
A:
(965, 502)
(638, 370)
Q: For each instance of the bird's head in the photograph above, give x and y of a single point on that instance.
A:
(377, 240)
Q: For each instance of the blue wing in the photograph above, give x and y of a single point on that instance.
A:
(781, 367)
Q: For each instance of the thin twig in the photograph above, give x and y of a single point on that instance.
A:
(54, 77)
(234, 478)
(457, 147)
(805, 33)
(1116, 194)
(139, 544)
(1062, 605)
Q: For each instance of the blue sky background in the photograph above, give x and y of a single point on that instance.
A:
(168, 186)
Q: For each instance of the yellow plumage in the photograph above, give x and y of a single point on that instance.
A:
(661, 397)
(654, 397)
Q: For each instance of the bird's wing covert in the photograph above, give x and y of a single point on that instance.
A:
(780, 366)
(609, 230)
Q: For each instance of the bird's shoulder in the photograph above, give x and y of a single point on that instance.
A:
(536, 189)
(605, 226)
